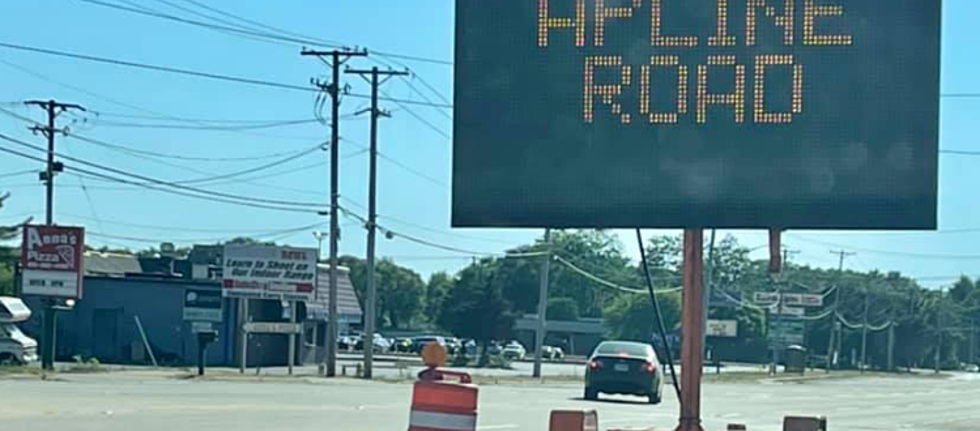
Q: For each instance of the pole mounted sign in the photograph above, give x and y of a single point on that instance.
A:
(51, 260)
(696, 113)
(269, 272)
(202, 305)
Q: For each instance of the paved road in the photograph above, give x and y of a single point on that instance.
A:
(145, 401)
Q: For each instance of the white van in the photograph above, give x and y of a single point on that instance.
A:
(15, 347)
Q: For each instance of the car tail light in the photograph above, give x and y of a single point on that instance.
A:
(650, 367)
(595, 364)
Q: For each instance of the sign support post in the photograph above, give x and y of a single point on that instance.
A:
(292, 338)
(692, 354)
(541, 328)
(242, 318)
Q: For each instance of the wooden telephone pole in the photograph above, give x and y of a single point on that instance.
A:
(53, 109)
(370, 315)
(337, 58)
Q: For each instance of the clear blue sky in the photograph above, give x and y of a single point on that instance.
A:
(420, 28)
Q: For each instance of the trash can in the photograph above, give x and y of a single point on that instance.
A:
(795, 359)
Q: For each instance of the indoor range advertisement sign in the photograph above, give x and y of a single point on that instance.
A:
(271, 272)
(696, 113)
(52, 261)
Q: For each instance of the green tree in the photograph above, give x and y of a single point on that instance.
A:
(562, 309)
(8, 255)
(400, 291)
(632, 317)
(596, 252)
(479, 308)
(436, 292)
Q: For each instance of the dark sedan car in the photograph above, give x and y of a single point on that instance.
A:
(620, 367)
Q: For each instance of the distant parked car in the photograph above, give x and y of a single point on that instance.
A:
(421, 342)
(454, 346)
(346, 342)
(403, 345)
(471, 348)
(381, 344)
(620, 367)
(552, 353)
(514, 351)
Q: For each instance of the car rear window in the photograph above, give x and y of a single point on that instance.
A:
(631, 349)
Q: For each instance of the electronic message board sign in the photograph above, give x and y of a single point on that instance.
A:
(696, 113)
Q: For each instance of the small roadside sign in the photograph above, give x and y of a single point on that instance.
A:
(789, 311)
(786, 331)
(272, 328)
(52, 261)
(722, 328)
(202, 305)
(199, 327)
(765, 298)
(790, 299)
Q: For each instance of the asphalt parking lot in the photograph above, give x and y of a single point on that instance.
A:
(165, 401)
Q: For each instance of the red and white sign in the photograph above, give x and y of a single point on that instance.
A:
(52, 261)
(269, 272)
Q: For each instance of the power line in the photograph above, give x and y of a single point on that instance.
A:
(18, 173)
(137, 108)
(97, 175)
(191, 191)
(329, 43)
(199, 74)
(401, 165)
(960, 152)
(282, 36)
(183, 228)
(130, 150)
(238, 30)
(211, 179)
(890, 252)
(418, 117)
(259, 235)
(256, 126)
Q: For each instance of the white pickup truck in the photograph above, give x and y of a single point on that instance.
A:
(15, 347)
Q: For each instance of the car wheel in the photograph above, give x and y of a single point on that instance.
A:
(591, 394)
(654, 398)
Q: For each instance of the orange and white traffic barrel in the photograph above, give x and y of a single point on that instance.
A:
(438, 405)
(443, 407)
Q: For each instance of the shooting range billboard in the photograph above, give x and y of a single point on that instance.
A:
(269, 272)
(696, 113)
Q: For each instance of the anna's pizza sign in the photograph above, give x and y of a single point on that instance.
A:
(51, 261)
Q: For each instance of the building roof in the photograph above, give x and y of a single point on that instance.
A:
(348, 306)
(111, 265)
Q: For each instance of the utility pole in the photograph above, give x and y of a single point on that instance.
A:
(539, 332)
(973, 342)
(836, 330)
(864, 332)
(939, 326)
(370, 317)
(53, 109)
(780, 309)
(337, 58)
(709, 271)
(891, 347)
